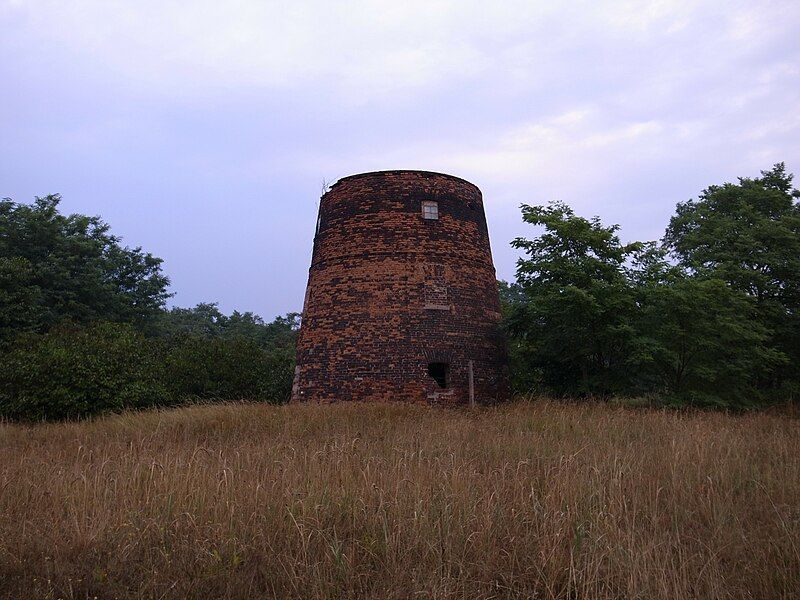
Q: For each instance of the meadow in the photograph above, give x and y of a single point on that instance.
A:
(533, 499)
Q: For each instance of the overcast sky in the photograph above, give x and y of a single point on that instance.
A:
(202, 131)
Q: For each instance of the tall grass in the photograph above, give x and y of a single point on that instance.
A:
(532, 499)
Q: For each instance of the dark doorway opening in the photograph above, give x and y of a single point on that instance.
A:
(438, 370)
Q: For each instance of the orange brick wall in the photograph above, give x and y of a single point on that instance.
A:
(389, 292)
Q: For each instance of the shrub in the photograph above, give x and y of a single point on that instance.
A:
(73, 372)
(232, 368)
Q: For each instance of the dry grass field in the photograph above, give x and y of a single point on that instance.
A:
(533, 499)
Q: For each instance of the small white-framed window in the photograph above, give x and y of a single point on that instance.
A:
(430, 209)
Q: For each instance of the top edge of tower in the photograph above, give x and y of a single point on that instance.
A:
(403, 172)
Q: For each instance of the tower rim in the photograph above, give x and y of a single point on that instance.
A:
(401, 172)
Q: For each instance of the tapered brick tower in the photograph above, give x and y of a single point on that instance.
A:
(402, 301)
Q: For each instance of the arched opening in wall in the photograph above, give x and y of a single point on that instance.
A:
(439, 371)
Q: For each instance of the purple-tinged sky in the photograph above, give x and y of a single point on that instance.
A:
(203, 130)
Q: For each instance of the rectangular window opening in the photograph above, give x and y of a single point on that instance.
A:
(438, 370)
(430, 209)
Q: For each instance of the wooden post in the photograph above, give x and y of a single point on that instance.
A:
(471, 386)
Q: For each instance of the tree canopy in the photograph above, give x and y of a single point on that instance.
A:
(747, 234)
(709, 316)
(578, 304)
(84, 329)
(58, 268)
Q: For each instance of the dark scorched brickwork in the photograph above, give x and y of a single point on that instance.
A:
(395, 301)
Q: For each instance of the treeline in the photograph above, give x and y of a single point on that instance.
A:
(708, 316)
(84, 331)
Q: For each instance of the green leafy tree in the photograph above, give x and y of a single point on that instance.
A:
(524, 373)
(590, 315)
(225, 369)
(203, 320)
(206, 320)
(576, 324)
(56, 268)
(748, 235)
(280, 333)
(213, 355)
(701, 343)
(83, 330)
(21, 308)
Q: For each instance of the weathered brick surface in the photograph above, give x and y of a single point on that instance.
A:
(390, 292)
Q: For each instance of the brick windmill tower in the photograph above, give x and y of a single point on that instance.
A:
(402, 301)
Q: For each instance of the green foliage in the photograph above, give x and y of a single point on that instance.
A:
(212, 355)
(206, 320)
(20, 306)
(748, 235)
(80, 371)
(703, 344)
(573, 251)
(233, 368)
(56, 268)
(83, 330)
(576, 322)
(590, 315)
(525, 376)
(73, 372)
